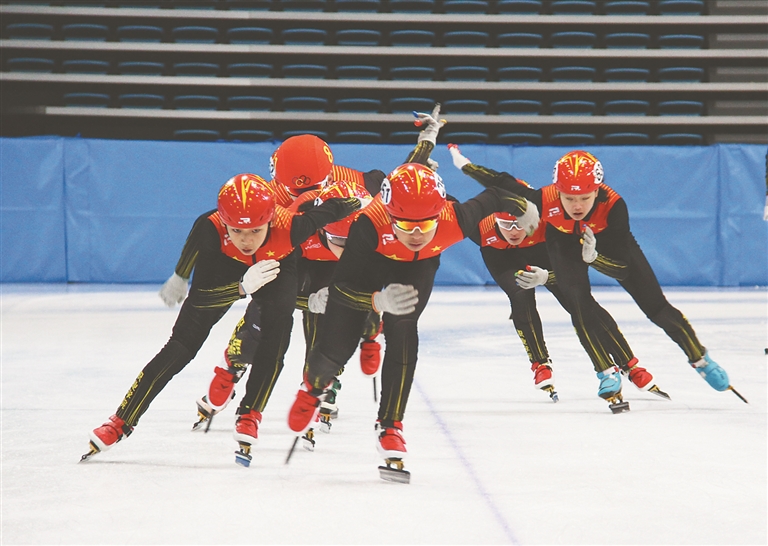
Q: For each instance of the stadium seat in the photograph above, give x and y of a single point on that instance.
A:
(519, 73)
(30, 64)
(319, 134)
(300, 5)
(143, 68)
(249, 35)
(358, 105)
(140, 33)
(626, 107)
(304, 36)
(575, 39)
(466, 6)
(412, 38)
(466, 73)
(573, 108)
(412, 6)
(626, 74)
(196, 69)
(249, 70)
(679, 139)
(249, 102)
(681, 41)
(412, 73)
(409, 104)
(89, 100)
(627, 40)
(357, 72)
(466, 137)
(195, 34)
(195, 102)
(141, 100)
(627, 7)
(573, 7)
(519, 107)
(369, 6)
(519, 39)
(465, 106)
(253, 5)
(305, 104)
(358, 37)
(85, 66)
(572, 139)
(530, 139)
(466, 38)
(681, 7)
(196, 134)
(358, 137)
(681, 74)
(573, 74)
(680, 108)
(29, 31)
(626, 139)
(520, 6)
(403, 137)
(85, 31)
(315, 71)
(250, 135)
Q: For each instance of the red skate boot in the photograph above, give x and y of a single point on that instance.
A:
(391, 445)
(107, 435)
(543, 378)
(305, 409)
(370, 356)
(246, 434)
(220, 392)
(642, 378)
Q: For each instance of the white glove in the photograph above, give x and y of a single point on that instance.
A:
(531, 277)
(259, 274)
(430, 123)
(174, 290)
(396, 299)
(765, 212)
(529, 221)
(458, 159)
(432, 164)
(588, 251)
(317, 301)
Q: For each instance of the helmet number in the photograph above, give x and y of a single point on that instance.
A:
(386, 191)
(439, 185)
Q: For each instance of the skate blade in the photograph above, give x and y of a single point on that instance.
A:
(616, 403)
(658, 392)
(243, 455)
(92, 450)
(203, 424)
(325, 423)
(737, 394)
(394, 473)
(552, 393)
(308, 440)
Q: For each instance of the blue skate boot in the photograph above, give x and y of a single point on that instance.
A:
(610, 389)
(712, 373)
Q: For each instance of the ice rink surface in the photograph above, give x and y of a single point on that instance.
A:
(493, 461)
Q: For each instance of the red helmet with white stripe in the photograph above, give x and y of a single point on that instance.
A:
(577, 173)
(413, 191)
(246, 202)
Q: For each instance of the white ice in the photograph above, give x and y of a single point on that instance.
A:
(493, 461)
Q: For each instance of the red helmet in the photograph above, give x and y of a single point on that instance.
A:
(414, 192)
(302, 163)
(577, 173)
(343, 188)
(246, 202)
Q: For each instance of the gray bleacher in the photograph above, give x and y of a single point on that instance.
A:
(565, 72)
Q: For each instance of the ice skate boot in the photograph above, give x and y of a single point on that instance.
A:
(714, 375)
(610, 389)
(107, 435)
(220, 392)
(205, 414)
(246, 435)
(370, 356)
(328, 408)
(642, 378)
(543, 378)
(305, 409)
(391, 445)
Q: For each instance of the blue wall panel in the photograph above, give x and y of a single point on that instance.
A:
(119, 211)
(32, 232)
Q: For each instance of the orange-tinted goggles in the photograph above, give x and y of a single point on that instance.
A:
(409, 226)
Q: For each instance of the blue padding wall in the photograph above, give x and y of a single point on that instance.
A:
(83, 210)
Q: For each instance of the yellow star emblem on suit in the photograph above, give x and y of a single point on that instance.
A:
(270, 253)
(436, 248)
(563, 229)
(394, 257)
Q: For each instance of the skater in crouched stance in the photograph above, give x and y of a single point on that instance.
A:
(245, 246)
(389, 265)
